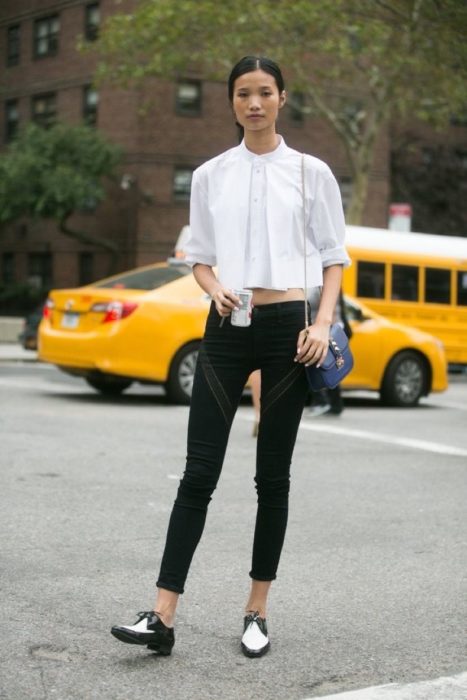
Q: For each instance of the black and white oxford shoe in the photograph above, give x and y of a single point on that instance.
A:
(255, 640)
(148, 630)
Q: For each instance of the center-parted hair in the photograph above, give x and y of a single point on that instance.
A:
(247, 64)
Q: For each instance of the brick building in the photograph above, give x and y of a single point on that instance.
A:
(45, 78)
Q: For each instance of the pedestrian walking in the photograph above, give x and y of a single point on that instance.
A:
(328, 401)
(246, 218)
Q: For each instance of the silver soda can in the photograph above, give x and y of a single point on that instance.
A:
(242, 316)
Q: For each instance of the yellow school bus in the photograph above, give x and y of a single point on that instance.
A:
(413, 278)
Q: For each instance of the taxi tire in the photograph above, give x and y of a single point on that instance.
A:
(109, 386)
(413, 367)
(182, 364)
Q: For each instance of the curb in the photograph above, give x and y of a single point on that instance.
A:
(15, 353)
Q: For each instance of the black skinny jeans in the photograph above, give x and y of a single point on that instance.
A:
(227, 356)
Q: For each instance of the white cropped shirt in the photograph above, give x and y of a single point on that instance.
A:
(246, 217)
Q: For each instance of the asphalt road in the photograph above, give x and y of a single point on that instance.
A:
(372, 583)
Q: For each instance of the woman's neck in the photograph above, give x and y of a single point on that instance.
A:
(260, 143)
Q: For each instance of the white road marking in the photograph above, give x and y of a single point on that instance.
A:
(444, 688)
(425, 445)
(384, 438)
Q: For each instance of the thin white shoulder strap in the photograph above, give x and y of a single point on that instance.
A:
(304, 240)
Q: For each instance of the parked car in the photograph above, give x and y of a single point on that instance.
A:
(146, 325)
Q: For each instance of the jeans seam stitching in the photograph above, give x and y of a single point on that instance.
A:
(274, 391)
(208, 370)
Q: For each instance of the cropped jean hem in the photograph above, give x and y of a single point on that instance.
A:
(170, 587)
(258, 577)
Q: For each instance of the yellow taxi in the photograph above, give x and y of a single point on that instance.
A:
(146, 325)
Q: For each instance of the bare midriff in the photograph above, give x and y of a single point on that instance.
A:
(272, 296)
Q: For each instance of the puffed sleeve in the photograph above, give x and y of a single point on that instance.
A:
(328, 223)
(201, 245)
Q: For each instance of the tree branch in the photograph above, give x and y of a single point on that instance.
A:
(87, 238)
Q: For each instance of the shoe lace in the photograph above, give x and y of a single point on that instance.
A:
(252, 617)
(143, 614)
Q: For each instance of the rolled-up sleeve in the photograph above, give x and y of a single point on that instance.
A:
(201, 244)
(328, 223)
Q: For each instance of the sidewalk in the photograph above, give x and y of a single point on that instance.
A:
(13, 352)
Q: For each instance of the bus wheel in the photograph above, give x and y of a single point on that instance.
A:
(181, 375)
(404, 380)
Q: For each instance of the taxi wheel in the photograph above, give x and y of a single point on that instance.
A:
(182, 371)
(405, 380)
(109, 386)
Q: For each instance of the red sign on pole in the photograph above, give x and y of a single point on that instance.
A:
(400, 217)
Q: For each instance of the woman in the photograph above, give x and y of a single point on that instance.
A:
(246, 217)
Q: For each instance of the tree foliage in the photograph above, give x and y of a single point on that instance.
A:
(432, 178)
(53, 173)
(360, 63)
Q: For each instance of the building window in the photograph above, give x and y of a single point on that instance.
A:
(404, 283)
(11, 119)
(44, 109)
(461, 155)
(459, 119)
(296, 104)
(46, 36)
(462, 288)
(92, 18)
(86, 268)
(437, 286)
(90, 105)
(188, 100)
(13, 45)
(8, 268)
(40, 270)
(182, 183)
(370, 280)
(346, 188)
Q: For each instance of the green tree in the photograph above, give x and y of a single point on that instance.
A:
(359, 63)
(432, 178)
(53, 173)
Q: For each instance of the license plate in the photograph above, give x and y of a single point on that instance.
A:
(70, 320)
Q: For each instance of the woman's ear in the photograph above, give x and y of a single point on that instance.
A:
(282, 99)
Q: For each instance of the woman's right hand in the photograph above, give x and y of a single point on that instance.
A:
(225, 301)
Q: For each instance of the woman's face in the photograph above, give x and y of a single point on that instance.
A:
(257, 101)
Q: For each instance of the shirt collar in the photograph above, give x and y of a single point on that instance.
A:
(277, 153)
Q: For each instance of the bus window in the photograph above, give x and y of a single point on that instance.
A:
(404, 283)
(437, 286)
(370, 280)
(462, 288)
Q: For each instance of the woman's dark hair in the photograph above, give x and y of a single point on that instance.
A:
(247, 64)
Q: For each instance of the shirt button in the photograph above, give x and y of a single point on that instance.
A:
(256, 199)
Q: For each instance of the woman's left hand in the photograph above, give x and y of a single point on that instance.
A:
(313, 344)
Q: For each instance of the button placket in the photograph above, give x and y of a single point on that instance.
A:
(256, 187)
